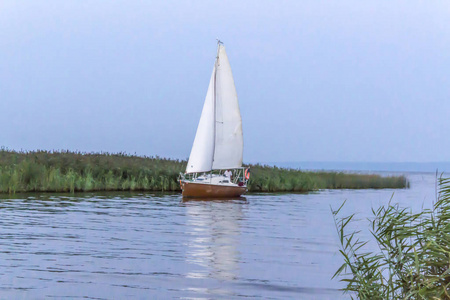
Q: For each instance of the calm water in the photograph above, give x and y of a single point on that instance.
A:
(142, 246)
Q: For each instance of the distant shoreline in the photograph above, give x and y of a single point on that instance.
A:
(338, 166)
(66, 171)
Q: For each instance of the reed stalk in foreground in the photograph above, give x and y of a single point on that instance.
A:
(413, 257)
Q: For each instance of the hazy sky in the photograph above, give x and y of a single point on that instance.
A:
(316, 80)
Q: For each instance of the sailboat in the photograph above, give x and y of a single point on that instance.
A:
(214, 168)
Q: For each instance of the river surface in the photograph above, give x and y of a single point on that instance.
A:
(155, 246)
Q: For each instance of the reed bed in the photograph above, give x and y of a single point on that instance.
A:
(274, 179)
(413, 261)
(66, 171)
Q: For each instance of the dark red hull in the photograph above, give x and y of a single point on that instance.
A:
(203, 190)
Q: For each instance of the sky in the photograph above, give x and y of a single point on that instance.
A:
(355, 81)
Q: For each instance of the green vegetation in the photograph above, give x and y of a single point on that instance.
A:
(65, 171)
(273, 179)
(413, 261)
(69, 172)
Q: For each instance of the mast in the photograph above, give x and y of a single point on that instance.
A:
(215, 93)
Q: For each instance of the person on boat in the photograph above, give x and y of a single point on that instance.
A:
(228, 174)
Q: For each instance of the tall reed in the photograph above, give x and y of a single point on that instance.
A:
(65, 171)
(274, 179)
(413, 257)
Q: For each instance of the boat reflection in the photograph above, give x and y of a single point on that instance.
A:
(214, 230)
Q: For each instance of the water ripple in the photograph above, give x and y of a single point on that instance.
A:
(138, 245)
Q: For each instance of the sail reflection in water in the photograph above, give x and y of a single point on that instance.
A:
(212, 246)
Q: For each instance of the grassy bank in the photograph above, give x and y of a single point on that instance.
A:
(65, 171)
(413, 257)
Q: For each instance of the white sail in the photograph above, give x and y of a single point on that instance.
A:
(218, 143)
(202, 151)
(229, 142)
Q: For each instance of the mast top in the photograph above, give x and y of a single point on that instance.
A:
(219, 42)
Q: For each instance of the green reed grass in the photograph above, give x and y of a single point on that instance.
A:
(65, 171)
(413, 260)
(274, 179)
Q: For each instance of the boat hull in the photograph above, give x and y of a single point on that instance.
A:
(203, 190)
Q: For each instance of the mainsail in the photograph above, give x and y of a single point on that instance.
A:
(218, 143)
